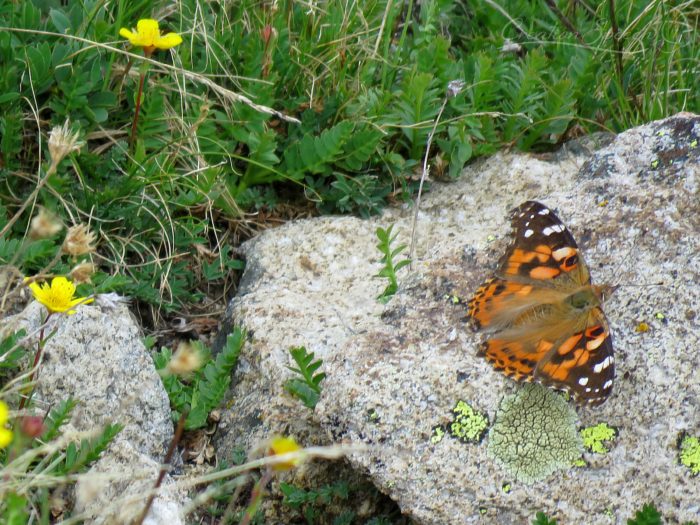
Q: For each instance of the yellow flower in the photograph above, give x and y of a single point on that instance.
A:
(283, 445)
(148, 36)
(5, 433)
(58, 296)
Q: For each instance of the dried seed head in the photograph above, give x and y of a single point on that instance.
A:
(44, 225)
(187, 359)
(82, 272)
(62, 142)
(78, 241)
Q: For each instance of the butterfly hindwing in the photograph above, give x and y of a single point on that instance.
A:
(582, 363)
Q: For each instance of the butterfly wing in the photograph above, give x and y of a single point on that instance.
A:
(543, 250)
(536, 335)
(581, 362)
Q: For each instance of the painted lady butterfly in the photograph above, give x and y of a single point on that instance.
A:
(542, 315)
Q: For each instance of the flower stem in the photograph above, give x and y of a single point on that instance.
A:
(137, 109)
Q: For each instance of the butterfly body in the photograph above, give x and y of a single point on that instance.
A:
(542, 315)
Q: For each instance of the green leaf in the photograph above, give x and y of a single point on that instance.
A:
(16, 509)
(59, 20)
(57, 417)
(542, 519)
(647, 516)
(11, 351)
(308, 387)
(316, 154)
(78, 458)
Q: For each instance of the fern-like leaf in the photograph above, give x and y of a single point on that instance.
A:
(647, 516)
(79, 457)
(316, 154)
(56, 418)
(308, 387)
(542, 519)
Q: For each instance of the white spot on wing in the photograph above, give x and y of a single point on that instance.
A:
(543, 211)
(528, 233)
(548, 231)
(583, 381)
(599, 367)
(607, 384)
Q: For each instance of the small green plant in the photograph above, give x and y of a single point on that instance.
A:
(28, 458)
(647, 516)
(386, 241)
(308, 387)
(311, 502)
(542, 519)
(11, 353)
(202, 386)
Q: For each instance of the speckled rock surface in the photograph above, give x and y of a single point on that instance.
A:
(97, 357)
(395, 372)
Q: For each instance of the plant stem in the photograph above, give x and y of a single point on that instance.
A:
(165, 466)
(424, 175)
(137, 109)
(617, 42)
(256, 496)
(37, 358)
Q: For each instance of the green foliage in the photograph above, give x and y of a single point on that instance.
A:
(317, 505)
(312, 501)
(363, 102)
(58, 416)
(307, 387)
(15, 511)
(11, 352)
(647, 516)
(204, 389)
(391, 266)
(542, 519)
(30, 461)
(78, 457)
(534, 434)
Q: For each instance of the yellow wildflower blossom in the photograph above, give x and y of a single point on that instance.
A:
(57, 296)
(5, 433)
(148, 36)
(284, 445)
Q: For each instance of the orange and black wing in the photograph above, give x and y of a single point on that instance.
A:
(543, 249)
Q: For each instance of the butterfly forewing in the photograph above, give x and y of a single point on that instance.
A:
(543, 249)
(542, 315)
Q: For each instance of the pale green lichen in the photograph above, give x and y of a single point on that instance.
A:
(468, 425)
(593, 437)
(690, 454)
(437, 435)
(534, 434)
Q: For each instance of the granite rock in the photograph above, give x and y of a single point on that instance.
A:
(395, 371)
